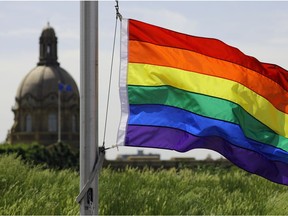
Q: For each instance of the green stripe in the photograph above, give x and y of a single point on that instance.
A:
(209, 107)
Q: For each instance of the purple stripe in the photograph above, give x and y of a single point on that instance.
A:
(253, 162)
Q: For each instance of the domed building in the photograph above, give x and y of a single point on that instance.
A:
(46, 107)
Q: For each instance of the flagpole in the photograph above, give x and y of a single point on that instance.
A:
(89, 104)
(59, 114)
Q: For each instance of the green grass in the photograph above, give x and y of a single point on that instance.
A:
(210, 191)
(191, 192)
(35, 191)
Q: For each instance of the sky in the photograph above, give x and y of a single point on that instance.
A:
(256, 28)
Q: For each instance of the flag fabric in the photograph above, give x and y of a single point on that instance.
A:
(64, 87)
(182, 92)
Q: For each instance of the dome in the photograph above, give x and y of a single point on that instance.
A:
(42, 81)
(42, 113)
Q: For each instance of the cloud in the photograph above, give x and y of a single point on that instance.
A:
(160, 17)
(281, 40)
(20, 33)
(70, 61)
(69, 34)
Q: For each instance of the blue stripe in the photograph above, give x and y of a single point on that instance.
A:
(165, 116)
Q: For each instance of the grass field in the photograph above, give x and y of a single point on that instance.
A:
(36, 191)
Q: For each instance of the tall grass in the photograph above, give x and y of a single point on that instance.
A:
(35, 191)
(200, 192)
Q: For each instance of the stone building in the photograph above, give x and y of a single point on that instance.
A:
(36, 110)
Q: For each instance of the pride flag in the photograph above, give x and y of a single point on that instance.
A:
(182, 92)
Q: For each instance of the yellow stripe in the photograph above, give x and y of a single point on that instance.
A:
(257, 106)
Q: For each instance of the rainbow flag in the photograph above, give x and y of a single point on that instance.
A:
(182, 92)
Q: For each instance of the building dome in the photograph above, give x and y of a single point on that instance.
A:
(47, 100)
(43, 81)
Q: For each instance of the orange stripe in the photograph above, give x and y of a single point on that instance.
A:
(142, 52)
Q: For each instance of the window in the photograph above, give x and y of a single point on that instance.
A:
(48, 50)
(28, 121)
(74, 123)
(52, 122)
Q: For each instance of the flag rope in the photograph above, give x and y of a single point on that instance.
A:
(96, 168)
(118, 15)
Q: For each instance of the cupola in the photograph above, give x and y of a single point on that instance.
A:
(48, 47)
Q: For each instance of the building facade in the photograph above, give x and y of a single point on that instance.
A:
(46, 107)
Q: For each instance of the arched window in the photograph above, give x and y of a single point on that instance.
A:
(74, 123)
(48, 49)
(52, 122)
(28, 121)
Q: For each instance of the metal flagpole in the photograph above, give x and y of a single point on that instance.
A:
(89, 104)
(59, 114)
